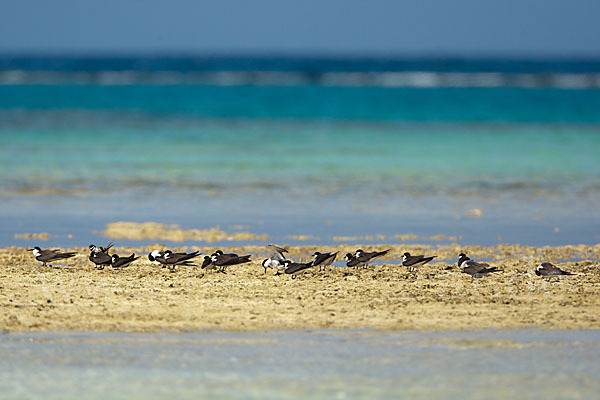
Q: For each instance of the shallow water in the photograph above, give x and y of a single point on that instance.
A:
(316, 147)
(298, 364)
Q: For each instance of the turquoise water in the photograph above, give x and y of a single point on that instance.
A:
(116, 153)
(321, 364)
(322, 147)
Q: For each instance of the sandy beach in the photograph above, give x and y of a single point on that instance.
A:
(145, 298)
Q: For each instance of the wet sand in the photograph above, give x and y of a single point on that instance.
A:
(144, 297)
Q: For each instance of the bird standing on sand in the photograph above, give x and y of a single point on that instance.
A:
(293, 268)
(366, 258)
(475, 269)
(352, 261)
(276, 260)
(118, 262)
(154, 254)
(100, 256)
(413, 262)
(221, 260)
(548, 270)
(45, 256)
(323, 260)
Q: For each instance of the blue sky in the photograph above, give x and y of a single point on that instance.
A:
(347, 27)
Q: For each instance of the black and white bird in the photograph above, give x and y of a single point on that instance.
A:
(154, 254)
(99, 255)
(169, 259)
(368, 257)
(223, 261)
(122, 262)
(276, 260)
(352, 261)
(46, 256)
(323, 260)
(293, 268)
(413, 262)
(95, 249)
(475, 269)
(207, 262)
(547, 270)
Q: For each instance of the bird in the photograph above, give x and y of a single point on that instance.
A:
(352, 261)
(276, 259)
(475, 269)
(96, 249)
(547, 269)
(293, 268)
(210, 260)
(207, 261)
(277, 249)
(45, 256)
(223, 261)
(100, 256)
(118, 262)
(415, 261)
(367, 258)
(217, 254)
(154, 254)
(322, 260)
(170, 259)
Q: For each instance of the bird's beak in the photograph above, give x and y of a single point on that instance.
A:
(30, 249)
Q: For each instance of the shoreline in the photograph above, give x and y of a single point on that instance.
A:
(144, 298)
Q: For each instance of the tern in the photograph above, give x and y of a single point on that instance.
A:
(323, 260)
(170, 259)
(45, 256)
(352, 261)
(415, 261)
(118, 262)
(225, 260)
(276, 260)
(367, 258)
(293, 268)
(100, 256)
(475, 269)
(548, 270)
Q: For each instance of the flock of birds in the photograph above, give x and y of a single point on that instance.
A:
(277, 260)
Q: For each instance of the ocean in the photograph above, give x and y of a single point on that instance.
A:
(481, 150)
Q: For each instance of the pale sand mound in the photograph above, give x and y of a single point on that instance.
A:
(156, 231)
(144, 297)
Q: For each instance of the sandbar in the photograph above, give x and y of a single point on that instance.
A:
(146, 298)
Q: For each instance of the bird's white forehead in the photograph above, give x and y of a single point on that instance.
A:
(404, 257)
(539, 267)
(36, 252)
(214, 258)
(155, 253)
